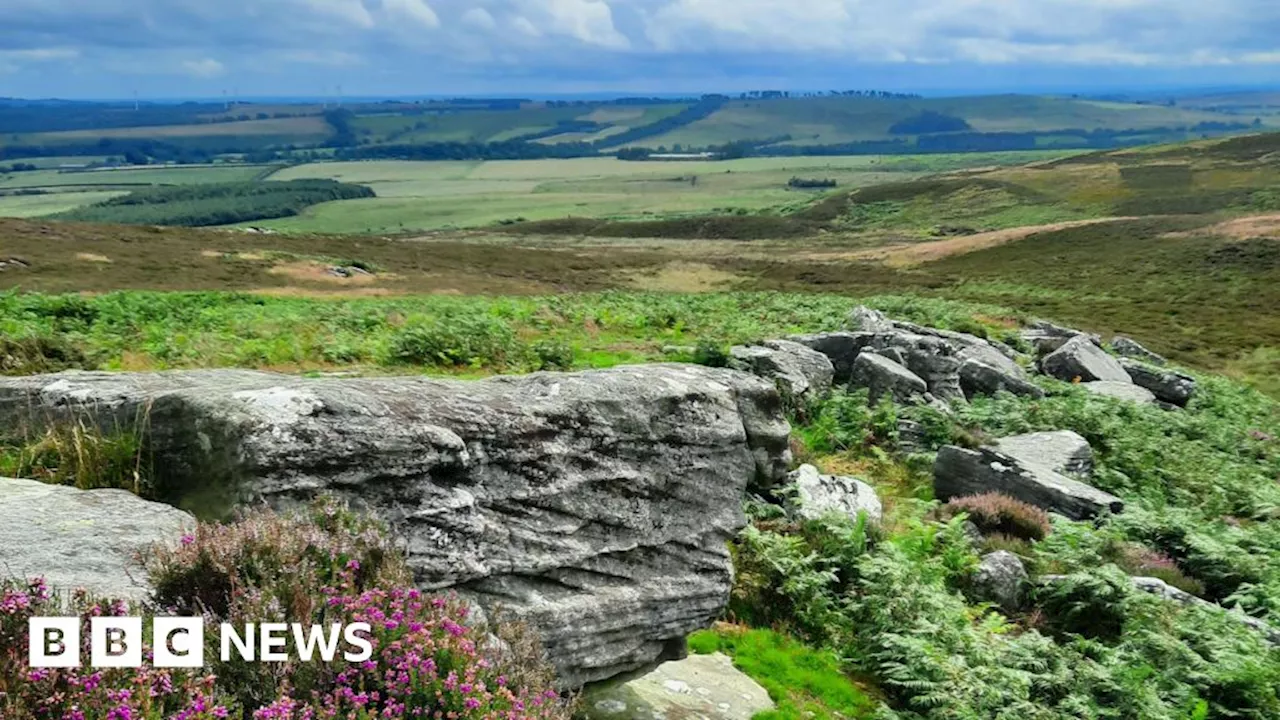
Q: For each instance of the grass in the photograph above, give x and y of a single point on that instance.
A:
(86, 452)
(804, 683)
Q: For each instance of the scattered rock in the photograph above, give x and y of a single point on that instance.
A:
(595, 506)
(980, 378)
(1080, 359)
(1061, 451)
(841, 348)
(958, 472)
(1122, 390)
(1046, 337)
(13, 263)
(817, 494)
(882, 376)
(1001, 579)
(700, 686)
(802, 372)
(1168, 386)
(1130, 348)
(864, 319)
(83, 538)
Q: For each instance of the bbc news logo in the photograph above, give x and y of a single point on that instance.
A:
(179, 642)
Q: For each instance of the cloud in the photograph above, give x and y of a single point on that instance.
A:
(529, 44)
(203, 68)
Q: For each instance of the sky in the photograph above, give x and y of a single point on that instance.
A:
(527, 48)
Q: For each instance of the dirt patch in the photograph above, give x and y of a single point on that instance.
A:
(294, 291)
(908, 255)
(1245, 228)
(92, 257)
(311, 271)
(217, 254)
(684, 277)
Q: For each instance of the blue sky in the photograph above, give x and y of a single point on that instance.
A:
(191, 48)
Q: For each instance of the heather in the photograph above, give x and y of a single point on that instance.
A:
(322, 565)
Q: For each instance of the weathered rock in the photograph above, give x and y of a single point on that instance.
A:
(864, 319)
(980, 378)
(802, 372)
(817, 494)
(596, 506)
(1130, 348)
(1081, 359)
(1061, 451)
(1168, 386)
(882, 376)
(83, 538)
(1156, 586)
(958, 472)
(841, 348)
(1123, 391)
(1046, 337)
(700, 686)
(1001, 579)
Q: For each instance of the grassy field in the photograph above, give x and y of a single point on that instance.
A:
(434, 195)
(830, 120)
(133, 176)
(300, 127)
(27, 206)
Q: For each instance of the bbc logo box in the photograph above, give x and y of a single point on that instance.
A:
(179, 642)
(116, 642)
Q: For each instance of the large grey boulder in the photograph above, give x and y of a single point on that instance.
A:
(816, 495)
(596, 506)
(1122, 391)
(83, 538)
(980, 378)
(801, 372)
(1061, 451)
(841, 348)
(882, 376)
(1130, 348)
(1001, 579)
(1081, 359)
(700, 686)
(958, 472)
(1168, 386)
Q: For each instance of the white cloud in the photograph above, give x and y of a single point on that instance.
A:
(203, 68)
(479, 18)
(413, 10)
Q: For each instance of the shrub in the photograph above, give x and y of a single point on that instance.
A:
(144, 693)
(79, 453)
(1090, 603)
(998, 513)
(553, 355)
(844, 422)
(711, 354)
(463, 341)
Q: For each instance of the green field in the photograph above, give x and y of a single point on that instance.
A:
(25, 206)
(832, 120)
(433, 195)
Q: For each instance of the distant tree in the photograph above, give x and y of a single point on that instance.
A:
(928, 122)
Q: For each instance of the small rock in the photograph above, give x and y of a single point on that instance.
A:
(882, 376)
(1061, 451)
(1079, 359)
(958, 472)
(1123, 391)
(1168, 386)
(980, 378)
(864, 319)
(1000, 579)
(723, 693)
(818, 494)
(1130, 348)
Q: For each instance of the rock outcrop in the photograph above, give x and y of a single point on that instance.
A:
(1061, 451)
(1046, 337)
(1156, 586)
(1001, 579)
(801, 372)
(980, 378)
(1122, 391)
(596, 506)
(700, 686)
(1079, 359)
(958, 472)
(816, 495)
(1171, 387)
(881, 376)
(1130, 348)
(83, 538)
